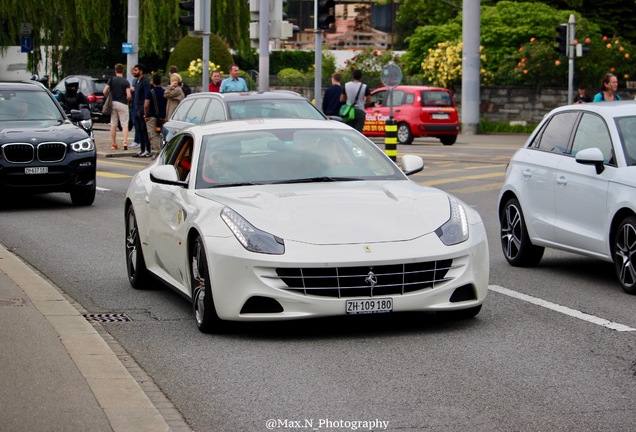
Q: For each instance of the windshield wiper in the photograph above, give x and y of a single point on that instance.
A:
(323, 179)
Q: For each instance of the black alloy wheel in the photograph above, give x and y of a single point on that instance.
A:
(135, 265)
(625, 253)
(515, 241)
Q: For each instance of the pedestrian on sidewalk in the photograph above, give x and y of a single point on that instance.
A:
(141, 89)
(173, 94)
(357, 94)
(331, 100)
(154, 114)
(119, 87)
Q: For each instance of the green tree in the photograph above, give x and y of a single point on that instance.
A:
(92, 25)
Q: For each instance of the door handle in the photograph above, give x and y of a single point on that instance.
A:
(527, 173)
(562, 181)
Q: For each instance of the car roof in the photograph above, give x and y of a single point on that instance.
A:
(415, 88)
(269, 95)
(244, 125)
(22, 85)
(609, 109)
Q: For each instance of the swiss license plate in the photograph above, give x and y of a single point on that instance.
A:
(440, 116)
(369, 306)
(36, 170)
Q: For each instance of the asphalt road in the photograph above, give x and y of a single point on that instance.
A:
(554, 347)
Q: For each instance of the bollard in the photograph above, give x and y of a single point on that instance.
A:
(390, 139)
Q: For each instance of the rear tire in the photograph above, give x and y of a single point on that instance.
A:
(448, 139)
(202, 302)
(625, 254)
(404, 134)
(515, 241)
(138, 275)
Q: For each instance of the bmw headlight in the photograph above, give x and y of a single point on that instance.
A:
(455, 230)
(83, 145)
(252, 239)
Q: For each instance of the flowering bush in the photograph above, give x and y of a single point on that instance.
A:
(370, 62)
(443, 65)
(196, 67)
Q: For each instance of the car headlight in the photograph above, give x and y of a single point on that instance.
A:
(252, 239)
(87, 124)
(83, 145)
(455, 230)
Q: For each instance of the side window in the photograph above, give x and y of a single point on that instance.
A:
(195, 114)
(555, 136)
(378, 99)
(168, 155)
(182, 110)
(397, 97)
(215, 111)
(592, 132)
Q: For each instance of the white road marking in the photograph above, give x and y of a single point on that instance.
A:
(101, 189)
(562, 309)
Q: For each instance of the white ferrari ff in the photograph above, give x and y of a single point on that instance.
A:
(272, 219)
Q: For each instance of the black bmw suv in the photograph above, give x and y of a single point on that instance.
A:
(40, 149)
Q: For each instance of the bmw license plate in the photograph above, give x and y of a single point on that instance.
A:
(440, 116)
(36, 170)
(369, 306)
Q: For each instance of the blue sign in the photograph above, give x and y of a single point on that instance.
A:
(25, 43)
(126, 48)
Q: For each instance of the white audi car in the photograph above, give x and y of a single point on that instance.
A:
(573, 187)
(272, 219)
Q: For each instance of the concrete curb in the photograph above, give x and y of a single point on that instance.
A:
(124, 402)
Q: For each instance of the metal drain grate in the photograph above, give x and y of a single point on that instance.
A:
(107, 317)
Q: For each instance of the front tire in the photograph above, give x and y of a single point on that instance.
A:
(625, 253)
(202, 302)
(135, 264)
(404, 134)
(515, 241)
(83, 197)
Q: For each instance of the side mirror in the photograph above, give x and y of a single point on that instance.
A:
(166, 174)
(412, 164)
(591, 156)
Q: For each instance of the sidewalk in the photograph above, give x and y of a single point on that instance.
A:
(58, 373)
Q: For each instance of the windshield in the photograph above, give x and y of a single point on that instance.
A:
(25, 105)
(278, 108)
(627, 130)
(291, 156)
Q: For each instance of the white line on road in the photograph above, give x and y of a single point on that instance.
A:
(101, 189)
(562, 309)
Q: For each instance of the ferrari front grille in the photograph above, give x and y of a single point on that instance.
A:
(365, 281)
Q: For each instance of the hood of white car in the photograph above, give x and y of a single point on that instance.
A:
(339, 213)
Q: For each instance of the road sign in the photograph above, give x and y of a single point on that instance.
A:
(25, 43)
(391, 75)
(25, 28)
(126, 48)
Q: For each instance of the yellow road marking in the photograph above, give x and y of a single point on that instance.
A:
(112, 175)
(461, 179)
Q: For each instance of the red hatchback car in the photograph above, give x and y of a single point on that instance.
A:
(418, 110)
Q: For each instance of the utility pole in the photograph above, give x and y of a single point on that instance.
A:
(470, 67)
(317, 59)
(205, 55)
(133, 36)
(263, 46)
(570, 53)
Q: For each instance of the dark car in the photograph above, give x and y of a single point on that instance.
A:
(40, 149)
(199, 108)
(419, 111)
(93, 89)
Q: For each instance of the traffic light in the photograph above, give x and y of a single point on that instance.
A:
(561, 40)
(326, 9)
(194, 18)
